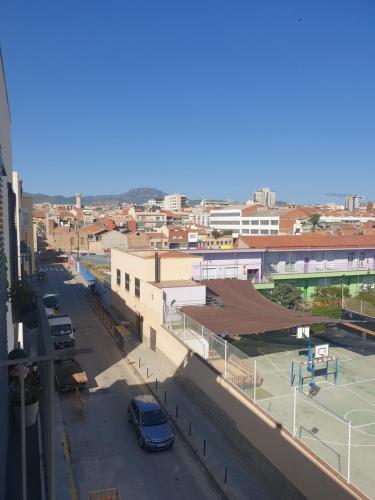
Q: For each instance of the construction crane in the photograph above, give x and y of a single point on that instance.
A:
(340, 195)
(351, 200)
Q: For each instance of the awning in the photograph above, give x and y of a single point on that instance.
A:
(241, 309)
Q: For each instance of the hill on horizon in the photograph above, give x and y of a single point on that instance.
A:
(135, 195)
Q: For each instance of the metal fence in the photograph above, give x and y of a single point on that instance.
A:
(358, 306)
(317, 427)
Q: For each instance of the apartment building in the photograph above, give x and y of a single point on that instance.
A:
(148, 220)
(175, 202)
(265, 197)
(307, 261)
(258, 221)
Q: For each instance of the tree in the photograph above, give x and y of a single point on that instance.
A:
(314, 221)
(286, 295)
(329, 295)
(215, 234)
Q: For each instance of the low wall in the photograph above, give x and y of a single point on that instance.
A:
(269, 447)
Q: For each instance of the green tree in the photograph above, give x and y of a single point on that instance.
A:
(314, 220)
(215, 234)
(286, 295)
(326, 295)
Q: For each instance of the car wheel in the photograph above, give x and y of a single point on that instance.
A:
(140, 441)
(129, 418)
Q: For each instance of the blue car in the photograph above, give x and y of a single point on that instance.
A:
(150, 423)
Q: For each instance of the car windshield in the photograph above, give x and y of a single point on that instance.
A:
(61, 329)
(50, 301)
(153, 417)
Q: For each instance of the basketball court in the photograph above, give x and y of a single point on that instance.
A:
(338, 421)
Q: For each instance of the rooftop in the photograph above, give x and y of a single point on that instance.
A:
(308, 240)
(175, 283)
(245, 311)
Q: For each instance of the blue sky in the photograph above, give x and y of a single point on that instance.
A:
(212, 98)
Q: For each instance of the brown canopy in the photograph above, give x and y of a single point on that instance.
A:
(244, 310)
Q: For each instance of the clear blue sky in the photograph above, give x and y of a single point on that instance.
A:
(212, 98)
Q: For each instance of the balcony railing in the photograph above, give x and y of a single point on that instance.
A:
(318, 267)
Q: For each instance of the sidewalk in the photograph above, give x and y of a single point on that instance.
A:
(225, 464)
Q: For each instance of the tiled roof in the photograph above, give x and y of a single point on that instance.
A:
(309, 240)
(92, 229)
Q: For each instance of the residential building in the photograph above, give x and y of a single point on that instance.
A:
(265, 197)
(246, 220)
(371, 207)
(307, 261)
(352, 202)
(27, 236)
(175, 202)
(147, 220)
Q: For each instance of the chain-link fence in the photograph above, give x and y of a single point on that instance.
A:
(358, 306)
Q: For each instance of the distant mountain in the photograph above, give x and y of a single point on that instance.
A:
(136, 195)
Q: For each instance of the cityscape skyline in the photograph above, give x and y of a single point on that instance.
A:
(278, 96)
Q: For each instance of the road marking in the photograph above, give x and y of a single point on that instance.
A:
(68, 458)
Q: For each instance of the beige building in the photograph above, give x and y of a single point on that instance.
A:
(144, 283)
(175, 202)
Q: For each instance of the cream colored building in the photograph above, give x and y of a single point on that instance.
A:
(145, 284)
(175, 202)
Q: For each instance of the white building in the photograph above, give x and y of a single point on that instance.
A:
(246, 221)
(175, 202)
(265, 197)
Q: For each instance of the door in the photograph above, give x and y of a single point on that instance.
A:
(250, 273)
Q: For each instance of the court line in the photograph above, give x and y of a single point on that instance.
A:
(273, 364)
(339, 444)
(361, 397)
(364, 425)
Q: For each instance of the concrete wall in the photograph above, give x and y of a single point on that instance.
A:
(268, 446)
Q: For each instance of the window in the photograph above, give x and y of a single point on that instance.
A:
(137, 287)
(245, 222)
(127, 281)
(225, 222)
(245, 231)
(274, 231)
(255, 231)
(361, 258)
(118, 277)
(274, 222)
(350, 259)
(264, 231)
(255, 222)
(225, 214)
(265, 222)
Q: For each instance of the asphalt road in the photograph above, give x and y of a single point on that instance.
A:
(104, 448)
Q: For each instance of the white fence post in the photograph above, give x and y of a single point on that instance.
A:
(225, 359)
(349, 448)
(255, 381)
(361, 306)
(294, 411)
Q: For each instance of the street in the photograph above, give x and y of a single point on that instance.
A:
(104, 448)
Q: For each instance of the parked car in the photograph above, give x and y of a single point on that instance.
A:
(150, 423)
(69, 375)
